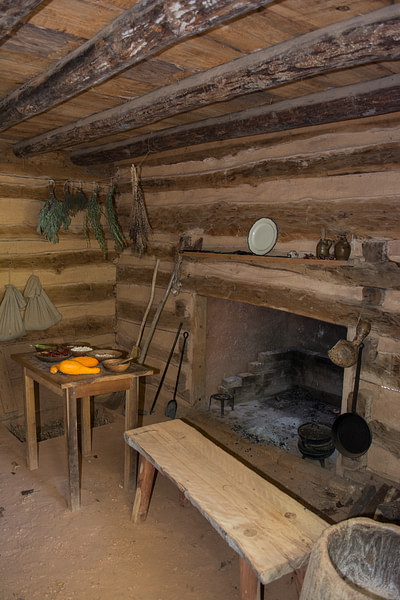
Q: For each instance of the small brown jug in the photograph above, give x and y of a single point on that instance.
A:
(323, 247)
(342, 248)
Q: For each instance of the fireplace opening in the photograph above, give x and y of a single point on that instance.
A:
(276, 367)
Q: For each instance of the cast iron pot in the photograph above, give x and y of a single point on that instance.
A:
(351, 434)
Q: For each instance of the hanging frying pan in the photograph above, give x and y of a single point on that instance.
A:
(351, 433)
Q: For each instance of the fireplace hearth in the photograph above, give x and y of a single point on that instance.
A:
(275, 419)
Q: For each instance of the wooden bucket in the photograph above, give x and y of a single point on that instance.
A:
(354, 560)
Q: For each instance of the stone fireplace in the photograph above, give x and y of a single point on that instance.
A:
(276, 367)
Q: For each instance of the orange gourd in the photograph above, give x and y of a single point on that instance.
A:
(73, 367)
(88, 361)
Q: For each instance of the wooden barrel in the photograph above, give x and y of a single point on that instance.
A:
(354, 560)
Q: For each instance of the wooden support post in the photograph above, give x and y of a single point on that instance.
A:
(86, 427)
(131, 422)
(71, 434)
(143, 490)
(248, 581)
(30, 423)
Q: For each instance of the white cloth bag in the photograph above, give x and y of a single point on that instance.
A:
(11, 324)
(40, 312)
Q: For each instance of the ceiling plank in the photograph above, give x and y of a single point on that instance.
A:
(365, 99)
(361, 40)
(144, 29)
(12, 13)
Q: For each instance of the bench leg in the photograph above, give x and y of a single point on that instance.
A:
(183, 501)
(143, 490)
(248, 581)
(299, 575)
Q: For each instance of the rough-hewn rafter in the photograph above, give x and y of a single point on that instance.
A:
(377, 97)
(359, 40)
(12, 13)
(146, 28)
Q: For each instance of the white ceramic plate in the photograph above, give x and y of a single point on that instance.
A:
(262, 236)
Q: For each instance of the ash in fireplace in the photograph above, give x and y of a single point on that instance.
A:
(275, 419)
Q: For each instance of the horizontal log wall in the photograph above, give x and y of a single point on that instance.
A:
(79, 282)
(327, 177)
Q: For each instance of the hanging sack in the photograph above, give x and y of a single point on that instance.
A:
(40, 313)
(11, 325)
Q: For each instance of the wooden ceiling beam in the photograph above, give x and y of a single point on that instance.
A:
(13, 12)
(149, 26)
(365, 99)
(360, 40)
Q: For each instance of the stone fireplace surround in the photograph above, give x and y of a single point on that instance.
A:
(272, 350)
(276, 367)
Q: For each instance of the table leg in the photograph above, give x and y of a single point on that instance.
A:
(30, 423)
(86, 429)
(143, 491)
(131, 422)
(248, 581)
(71, 434)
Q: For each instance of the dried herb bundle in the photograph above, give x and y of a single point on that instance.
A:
(111, 218)
(139, 226)
(52, 216)
(55, 214)
(92, 218)
(74, 202)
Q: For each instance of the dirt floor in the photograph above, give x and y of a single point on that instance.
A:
(97, 553)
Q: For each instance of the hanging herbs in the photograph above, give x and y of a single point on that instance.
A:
(74, 202)
(139, 226)
(112, 222)
(92, 218)
(52, 216)
(56, 214)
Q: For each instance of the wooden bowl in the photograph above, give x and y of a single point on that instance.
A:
(116, 365)
(103, 354)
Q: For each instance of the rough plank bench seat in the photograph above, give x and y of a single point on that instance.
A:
(272, 533)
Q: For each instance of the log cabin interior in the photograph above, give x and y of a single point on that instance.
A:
(226, 169)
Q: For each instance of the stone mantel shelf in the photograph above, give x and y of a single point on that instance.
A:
(256, 259)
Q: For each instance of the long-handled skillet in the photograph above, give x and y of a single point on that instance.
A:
(351, 433)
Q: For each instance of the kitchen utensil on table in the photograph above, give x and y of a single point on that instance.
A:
(351, 433)
(116, 364)
(105, 353)
(170, 410)
(166, 368)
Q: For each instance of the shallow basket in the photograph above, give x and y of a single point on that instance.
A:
(103, 354)
(116, 365)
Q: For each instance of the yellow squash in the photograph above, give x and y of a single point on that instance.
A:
(87, 361)
(73, 367)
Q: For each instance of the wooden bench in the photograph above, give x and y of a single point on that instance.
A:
(272, 532)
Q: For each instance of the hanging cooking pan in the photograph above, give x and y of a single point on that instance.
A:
(351, 433)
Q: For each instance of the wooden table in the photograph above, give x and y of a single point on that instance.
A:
(72, 387)
(272, 532)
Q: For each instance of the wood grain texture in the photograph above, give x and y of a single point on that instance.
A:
(310, 55)
(274, 532)
(12, 13)
(138, 33)
(350, 102)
